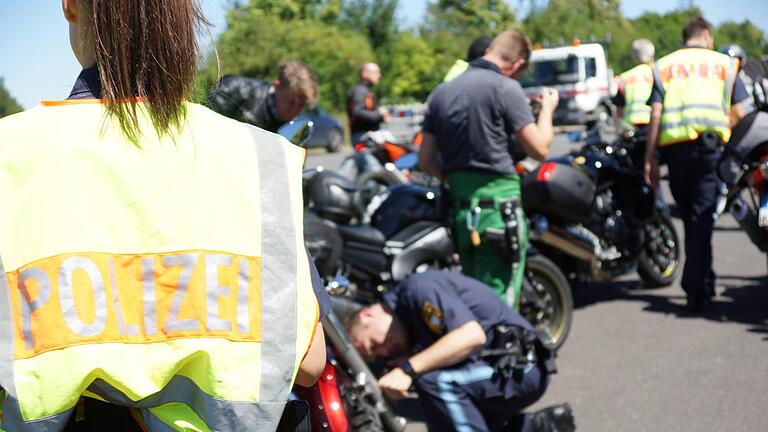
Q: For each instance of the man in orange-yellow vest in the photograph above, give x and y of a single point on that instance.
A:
(634, 86)
(696, 95)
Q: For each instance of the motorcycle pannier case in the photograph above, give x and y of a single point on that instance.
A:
(559, 192)
(332, 197)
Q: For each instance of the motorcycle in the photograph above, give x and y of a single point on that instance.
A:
(743, 168)
(592, 213)
(407, 234)
(347, 396)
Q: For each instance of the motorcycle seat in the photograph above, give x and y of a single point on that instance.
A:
(362, 234)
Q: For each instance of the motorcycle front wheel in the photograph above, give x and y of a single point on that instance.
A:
(545, 298)
(659, 261)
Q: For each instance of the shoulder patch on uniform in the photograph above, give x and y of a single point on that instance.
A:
(433, 317)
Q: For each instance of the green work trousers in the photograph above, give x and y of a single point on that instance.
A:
(485, 262)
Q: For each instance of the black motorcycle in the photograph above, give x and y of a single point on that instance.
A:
(407, 234)
(744, 171)
(593, 214)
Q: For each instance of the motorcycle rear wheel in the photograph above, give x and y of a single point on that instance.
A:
(659, 261)
(546, 300)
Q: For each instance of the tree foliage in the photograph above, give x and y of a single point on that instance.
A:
(664, 30)
(562, 20)
(256, 43)
(8, 104)
(451, 25)
(745, 34)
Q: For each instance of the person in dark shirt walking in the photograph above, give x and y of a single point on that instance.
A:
(363, 109)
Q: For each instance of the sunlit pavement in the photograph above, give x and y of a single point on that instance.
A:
(636, 361)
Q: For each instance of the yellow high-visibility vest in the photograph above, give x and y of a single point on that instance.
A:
(458, 68)
(698, 85)
(170, 277)
(636, 84)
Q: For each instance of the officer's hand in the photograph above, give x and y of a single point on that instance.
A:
(395, 384)
(548, 98)
(651, 169)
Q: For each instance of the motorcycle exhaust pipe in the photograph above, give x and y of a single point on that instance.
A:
(348, 355)
(746, 216)
(571, 243)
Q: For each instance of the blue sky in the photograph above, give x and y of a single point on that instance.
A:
(36, 62)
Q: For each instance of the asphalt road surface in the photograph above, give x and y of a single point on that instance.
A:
(635, 361)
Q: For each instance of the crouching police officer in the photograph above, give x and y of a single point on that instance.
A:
(696, 97)
(476, 363)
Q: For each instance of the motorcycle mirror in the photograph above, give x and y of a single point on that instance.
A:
(297, 131)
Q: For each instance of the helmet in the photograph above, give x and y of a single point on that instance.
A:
(735, 51)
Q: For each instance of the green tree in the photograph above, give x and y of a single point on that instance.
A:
(745, 34)
(8, 104)
(326, 11)
(410, 68)
(584, 19)
(376, 19)
(664, 30)
(451, 25)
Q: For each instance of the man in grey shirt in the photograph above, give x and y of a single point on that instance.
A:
(473, 126)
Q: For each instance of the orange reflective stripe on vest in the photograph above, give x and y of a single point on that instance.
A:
(85, 298)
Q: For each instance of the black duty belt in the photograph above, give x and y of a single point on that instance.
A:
(515, 349)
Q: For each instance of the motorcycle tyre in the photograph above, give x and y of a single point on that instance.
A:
(647, 269)
(546, 273)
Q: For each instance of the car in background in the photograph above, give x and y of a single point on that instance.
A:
(327, 132)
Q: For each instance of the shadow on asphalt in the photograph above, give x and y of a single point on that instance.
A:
(740, 299)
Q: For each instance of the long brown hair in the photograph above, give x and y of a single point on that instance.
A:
(145, 49)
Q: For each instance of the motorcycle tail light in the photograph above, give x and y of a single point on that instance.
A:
(546, 171)
(359, 147)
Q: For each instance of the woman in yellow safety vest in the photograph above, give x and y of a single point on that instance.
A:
(151, 250)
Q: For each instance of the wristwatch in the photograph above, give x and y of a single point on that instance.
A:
(408, 369)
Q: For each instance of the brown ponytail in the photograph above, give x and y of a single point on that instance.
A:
(145, 49)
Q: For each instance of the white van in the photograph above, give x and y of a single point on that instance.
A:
(580, 74)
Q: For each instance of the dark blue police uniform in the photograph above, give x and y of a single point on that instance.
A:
(468, 396)
(695, 187)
